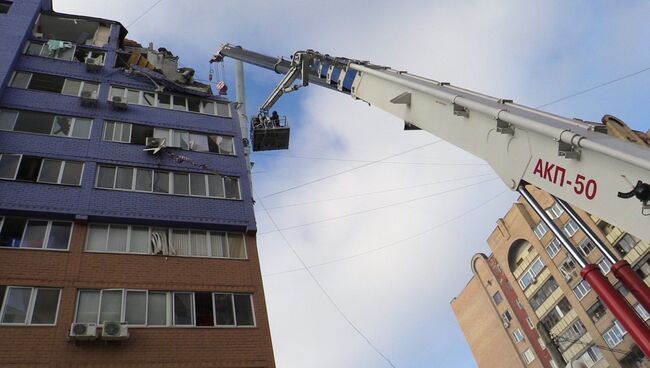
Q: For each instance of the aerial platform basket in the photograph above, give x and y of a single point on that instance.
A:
(269, 134)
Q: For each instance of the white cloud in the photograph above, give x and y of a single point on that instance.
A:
(530, 51)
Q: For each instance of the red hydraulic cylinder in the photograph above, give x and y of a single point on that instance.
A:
(632, 282)
(632, 323)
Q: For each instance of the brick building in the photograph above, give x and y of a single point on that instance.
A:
(526, 304)
(111, 255)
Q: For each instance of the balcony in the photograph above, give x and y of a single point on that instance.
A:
(71, 29)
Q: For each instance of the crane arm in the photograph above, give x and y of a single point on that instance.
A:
(568, 158)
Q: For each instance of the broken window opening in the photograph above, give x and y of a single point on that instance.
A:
(76, 30)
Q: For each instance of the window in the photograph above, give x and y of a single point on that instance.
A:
(175, 102)
(203, 309)
(553, 248)
(590, 356)
(506, 316)
(234, 309)
(586, 247)
(36, 169)
(568, 268)
(581, 289)
(528, 277)
(69, 52)
(626, 244)
(597, 310)
(518, 335)
(99, 306)
(528, 356)
(556, 313)
(183, 311)
(157, 309)
(554, 211)
(178, 183)
(497, 298)
(28, 305)
(114, 238)
(540, 230)
(117, 132)
(605, 265)
(53, 83)
(196, 141)
(5, 5)
(570, 228)
(614, 335)
(44, 123)
(18, 232)
(530, 323)
(543, 293)
(640, 310)
(572, 334)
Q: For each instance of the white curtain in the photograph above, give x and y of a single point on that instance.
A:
(199, 241)
(181, 242)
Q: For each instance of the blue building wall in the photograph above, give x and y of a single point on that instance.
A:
(87, 202)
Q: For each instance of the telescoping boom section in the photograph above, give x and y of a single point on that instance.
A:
(564, 157)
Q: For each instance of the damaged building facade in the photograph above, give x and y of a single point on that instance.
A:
(127, 232)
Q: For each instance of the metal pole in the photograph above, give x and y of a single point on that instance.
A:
(621, 268)
(616, 303)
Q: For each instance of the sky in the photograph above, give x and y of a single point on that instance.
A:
(386, 220)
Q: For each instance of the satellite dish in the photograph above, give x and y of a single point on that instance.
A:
(154, 145)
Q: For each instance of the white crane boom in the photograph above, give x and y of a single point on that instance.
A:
(565, 157)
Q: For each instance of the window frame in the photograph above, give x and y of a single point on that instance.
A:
(54, 116)
(583, 287)
(46, 237)
(540, 230)
(572, 226)
(20, 159)
(518, 335)
(553, 247)
(29, 313)
(122, 125)
(61, 171)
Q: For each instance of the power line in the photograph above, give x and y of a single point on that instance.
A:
(594, 87)
(338, 309)
(377, 208)
(391, 244)
(385, 162)
(376, 192)
(348, 170)
(576, 341)
(143, 14)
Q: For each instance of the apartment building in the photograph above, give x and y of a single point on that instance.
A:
(526, 304)
(127, 232)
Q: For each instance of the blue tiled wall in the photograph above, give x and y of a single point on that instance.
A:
(97, 204)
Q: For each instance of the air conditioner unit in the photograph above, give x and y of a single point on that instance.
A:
(83, 331)
(115, 331)
(118, 103)
(88, 98)
(93, 65)
(154, 145)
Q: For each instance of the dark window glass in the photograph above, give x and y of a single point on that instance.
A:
(213, 146)
(164, 101)
(59, 235)
(215, 186)
(29, 167)
(197, 184)
(48, 83)
(497, 298)
(181, 184)
(82, 128)
(8, 166)
(45, 306)
(179, 103)
(224, 312)
(161, 182)
(139, 133)
(106, 177)
(15, 310)
(34, 234)
(203, 308)
(109, 127)
(148, 99)
(12, 231)
(33, 48)
(72, 173)
(143, 180)
(124, 178)
(50, 171)
(232, 187)
(34, 122)
(194, 104)
(182, 308)
(244, 310)
(62, 125)
(2, 294)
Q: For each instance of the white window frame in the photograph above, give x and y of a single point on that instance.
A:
(518, 335)
(555, 211)
(640, 310)
(605, 265)
(30, 306)
(122, 126)
(171, 101)
(81, 86)
(553, 247)
(570, 228)
(581, 289)
(614, 335)
(530, 272)
(528, 356)
(72, 125)
(43, 52)
(192, 309)
(61, 170)
(540, 230)
(171, 182)
(46, 237)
